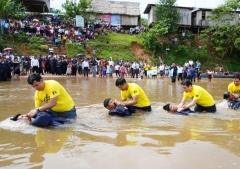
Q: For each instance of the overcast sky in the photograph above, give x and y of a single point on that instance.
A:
(143, 3)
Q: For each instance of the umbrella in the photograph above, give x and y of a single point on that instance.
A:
(7, 49)
(35, 20)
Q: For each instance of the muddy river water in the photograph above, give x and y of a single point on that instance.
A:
(96, 140)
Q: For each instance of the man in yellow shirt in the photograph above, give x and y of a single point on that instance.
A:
(51, 96)
(234, 87)
(200, 97)
(132, 91)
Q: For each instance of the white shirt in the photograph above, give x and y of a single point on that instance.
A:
(117, 67)
(161, 68)
(180, 69)
(85, 64)
(111, 62)
(34, 62)
(186, 64)
(135, 66)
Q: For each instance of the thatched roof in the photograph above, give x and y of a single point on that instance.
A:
(116, 7)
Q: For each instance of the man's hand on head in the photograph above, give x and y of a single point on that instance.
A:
(32, 112)
(117, 102)
(180, 109)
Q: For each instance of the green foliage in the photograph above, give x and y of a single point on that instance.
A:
(1, 44)
(118, 46)
(44, 20)
(73, 49)
(11, 8)
(226, 12)
(237, 43)
(223, 38)
(189, 37)
(167, 11)
(150, 38)
(182, 53)
(74, 8)
(38, 40)
(143, 22)
(37, 46)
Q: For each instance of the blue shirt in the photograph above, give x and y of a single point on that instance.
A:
(121, 111)
(185, 112)
(111, 70)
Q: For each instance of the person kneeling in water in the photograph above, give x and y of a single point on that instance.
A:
(173, 110)
(233, 103)
(115, 108)
(43, 119)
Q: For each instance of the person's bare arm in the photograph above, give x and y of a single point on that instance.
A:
(181, 104)
(192, 103)
(130, 102)
(49, 105)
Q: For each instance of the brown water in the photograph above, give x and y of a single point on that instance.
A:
(95, 140)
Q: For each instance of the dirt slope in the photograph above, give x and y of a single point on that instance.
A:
(139, 52)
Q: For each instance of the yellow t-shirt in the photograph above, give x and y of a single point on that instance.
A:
(154, 68)
(199, 94)
(147, 67)
(233, 89)
(135, 90)
(53, 89)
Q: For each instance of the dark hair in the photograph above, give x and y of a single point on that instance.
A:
(106, 101)
(34, 77)
(226, 95)
(167, 107)
(186, 82)
(236, 76)
(15, 118)
(120, 81)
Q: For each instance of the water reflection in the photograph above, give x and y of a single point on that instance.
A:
(150, 139)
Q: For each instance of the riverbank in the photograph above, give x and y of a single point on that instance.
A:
(114, 76)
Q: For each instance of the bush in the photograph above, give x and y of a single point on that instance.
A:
(73, 49)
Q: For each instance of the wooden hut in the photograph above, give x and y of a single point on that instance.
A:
(184, 12)
(122, 13)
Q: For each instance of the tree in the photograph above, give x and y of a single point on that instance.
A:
(10, 8)
(167, 10)
(82, 7)
(150, 39)
(223, 38)
(222, 12)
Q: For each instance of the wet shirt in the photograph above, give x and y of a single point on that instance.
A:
(199, 94)
(53, 89)
(233, 89)
(135, 90)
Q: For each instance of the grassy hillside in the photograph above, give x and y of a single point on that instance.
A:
(23, 45)
(118, 46)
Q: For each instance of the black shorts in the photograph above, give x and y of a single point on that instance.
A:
(210, 109)
(147, 108)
